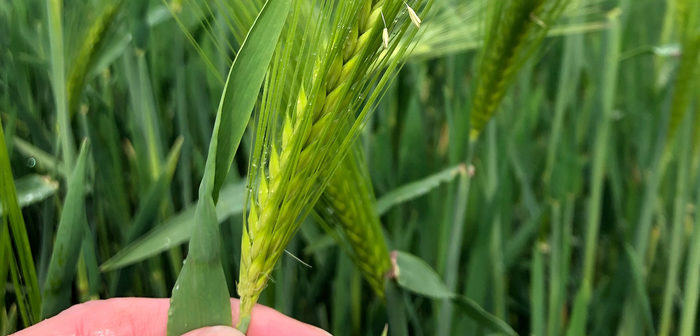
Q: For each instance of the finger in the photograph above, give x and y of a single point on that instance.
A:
(146, 317)
(215, 331)
(119, 316)
(266, 321)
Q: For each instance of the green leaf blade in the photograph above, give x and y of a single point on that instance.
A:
(69, 236)
(418, 188)
(176, 230)
(243, 85)
(200, 296)
(13, 232)
(417, 276)
(32, 189)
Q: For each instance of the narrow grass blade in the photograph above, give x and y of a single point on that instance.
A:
(155, 195)
(398, 325)
(689, 313)
(176, 230)
(152, 202)
(677, 231)
(8, 320)
(454, 226)
(54, 11)
(641, 298)
(418, 188)
(537, 307)
(243, 85)
(5, 250)
(600, 149)
(687, 74)
(66, 249)
(33, 189)
(23, 274)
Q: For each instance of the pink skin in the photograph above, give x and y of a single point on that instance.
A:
(146, 317)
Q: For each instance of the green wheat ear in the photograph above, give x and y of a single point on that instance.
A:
(518, 28)
(295, 159)
(347, 207)
(87, 54)
(261, 248)
(372, 258)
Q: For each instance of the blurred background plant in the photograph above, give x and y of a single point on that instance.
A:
(574, 210)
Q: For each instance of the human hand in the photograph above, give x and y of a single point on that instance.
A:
(146, 317)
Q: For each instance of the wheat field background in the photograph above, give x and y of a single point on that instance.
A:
(446, 167)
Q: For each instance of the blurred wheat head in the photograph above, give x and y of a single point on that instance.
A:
(347, 210)
(515, 30)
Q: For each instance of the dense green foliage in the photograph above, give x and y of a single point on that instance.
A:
(552, 183)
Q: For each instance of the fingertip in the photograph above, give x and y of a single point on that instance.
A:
(215, 331)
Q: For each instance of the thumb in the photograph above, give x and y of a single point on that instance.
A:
(214, 331)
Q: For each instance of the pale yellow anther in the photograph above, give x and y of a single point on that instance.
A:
(385, 34)
(385, 38)
(412, 14)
